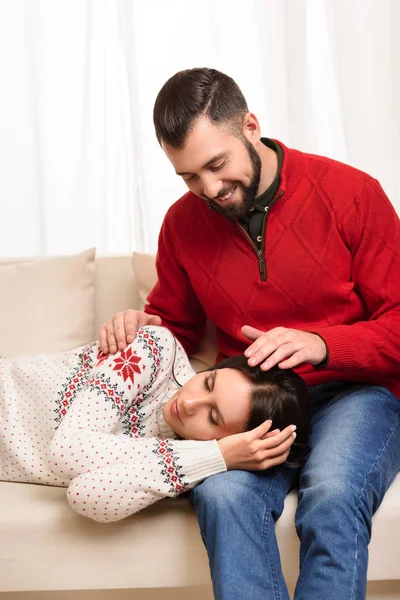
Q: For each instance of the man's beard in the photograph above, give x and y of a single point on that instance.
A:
(249, 194)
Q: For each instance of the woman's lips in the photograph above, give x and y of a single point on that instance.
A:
(175, 410)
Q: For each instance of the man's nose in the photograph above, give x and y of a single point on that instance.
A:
(212, 187)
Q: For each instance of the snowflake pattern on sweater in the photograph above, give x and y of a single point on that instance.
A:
(95, 423)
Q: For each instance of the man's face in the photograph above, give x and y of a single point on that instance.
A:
(218, 167)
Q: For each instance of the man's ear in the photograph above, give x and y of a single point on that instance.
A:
(251, 128)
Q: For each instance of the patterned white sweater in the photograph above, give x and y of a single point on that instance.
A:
(95, 423)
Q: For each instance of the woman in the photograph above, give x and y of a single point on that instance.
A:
(122, 433)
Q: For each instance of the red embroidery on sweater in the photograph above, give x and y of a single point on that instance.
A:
(127, 365)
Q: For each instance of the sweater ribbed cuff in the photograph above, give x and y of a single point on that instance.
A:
(341, 342)
(200, 460)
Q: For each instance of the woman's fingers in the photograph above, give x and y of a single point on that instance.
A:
(260, 431)
(280, 448)
(274, 462)
(270, 441)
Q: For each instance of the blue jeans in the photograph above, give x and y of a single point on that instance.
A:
(355, 455)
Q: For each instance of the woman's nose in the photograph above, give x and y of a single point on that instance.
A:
(191, 405)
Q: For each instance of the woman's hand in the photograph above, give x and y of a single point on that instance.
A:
(121, 330)
(258, 449)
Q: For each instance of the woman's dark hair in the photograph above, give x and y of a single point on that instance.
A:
(192, 93)
(280, 395)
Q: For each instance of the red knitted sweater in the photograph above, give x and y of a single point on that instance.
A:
(332, 255)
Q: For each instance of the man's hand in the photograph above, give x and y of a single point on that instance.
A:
(258, 449)
(121, 330)
(284, 347)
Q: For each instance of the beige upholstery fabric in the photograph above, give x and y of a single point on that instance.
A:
(146, 278)
(46, 305)
(44, 545)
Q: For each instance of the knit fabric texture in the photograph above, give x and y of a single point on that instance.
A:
(95, 423)
(332, 257)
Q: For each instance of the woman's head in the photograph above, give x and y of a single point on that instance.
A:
(232, 397)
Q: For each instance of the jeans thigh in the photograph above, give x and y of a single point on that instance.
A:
(352, 434)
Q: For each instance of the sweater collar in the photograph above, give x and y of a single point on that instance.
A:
(293, 167)
(292, 171)
(165, 431)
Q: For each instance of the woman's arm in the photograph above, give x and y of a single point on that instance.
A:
(152, 469)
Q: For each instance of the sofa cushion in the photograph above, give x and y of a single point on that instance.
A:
(47, 546)
(144, 268)
(46, 305)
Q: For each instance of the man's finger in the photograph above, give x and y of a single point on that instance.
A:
(130, 326)
(281, 353)
(296, 359)
(258, 345)
(263, 352)
(103, 339)
(251, 332)
(119, 331)
(111, 341)
(155, 320)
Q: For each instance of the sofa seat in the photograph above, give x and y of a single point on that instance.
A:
(47, 546)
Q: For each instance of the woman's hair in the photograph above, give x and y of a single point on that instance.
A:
(192, 93)
(280, 395)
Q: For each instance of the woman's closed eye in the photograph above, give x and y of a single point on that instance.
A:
(211, 418)
(206, 383)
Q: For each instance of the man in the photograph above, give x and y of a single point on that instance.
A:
(301, 255)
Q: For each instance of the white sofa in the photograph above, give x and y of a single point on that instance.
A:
(45, 546)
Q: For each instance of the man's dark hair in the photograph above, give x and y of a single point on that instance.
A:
(192, 93)
(280, 395)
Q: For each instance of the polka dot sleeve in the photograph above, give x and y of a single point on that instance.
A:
(154, 469)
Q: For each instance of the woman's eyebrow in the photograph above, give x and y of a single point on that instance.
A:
(219, 413)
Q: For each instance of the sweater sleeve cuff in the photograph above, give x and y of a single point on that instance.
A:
(200, 460)
(323, 363)
(341, 342)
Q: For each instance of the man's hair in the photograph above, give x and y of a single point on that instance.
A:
(280, 395)
(193, 93)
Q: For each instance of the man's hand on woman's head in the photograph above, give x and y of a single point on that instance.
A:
(120, 331)
(284, 347)
(258, 449)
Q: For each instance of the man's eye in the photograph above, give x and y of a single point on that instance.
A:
(217, 167)
(191, 178)
(211, 418)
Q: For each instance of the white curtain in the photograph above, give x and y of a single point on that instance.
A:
(79, 162)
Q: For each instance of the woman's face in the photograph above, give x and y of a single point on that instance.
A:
(211, 405)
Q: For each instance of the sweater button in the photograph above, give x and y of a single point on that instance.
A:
(259, 238)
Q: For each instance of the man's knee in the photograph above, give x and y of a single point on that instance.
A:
(236, 492)
(221, 490)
